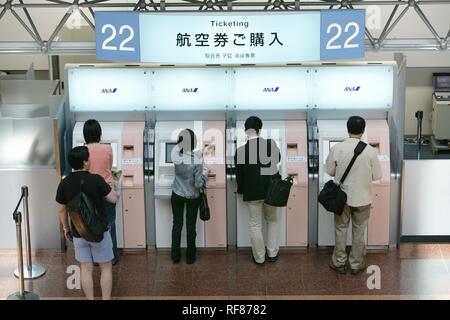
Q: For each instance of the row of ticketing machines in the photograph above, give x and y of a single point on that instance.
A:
(127, 141)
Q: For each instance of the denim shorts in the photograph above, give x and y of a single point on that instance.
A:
(90, 252)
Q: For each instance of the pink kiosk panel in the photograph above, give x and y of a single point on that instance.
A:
(133, 185)
(297, 166)
(216, 227)
(378, 227)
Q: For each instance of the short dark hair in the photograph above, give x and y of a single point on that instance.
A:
(254, 123)
(356, 125)
(92, 131)
(77, 156)
(191, 142)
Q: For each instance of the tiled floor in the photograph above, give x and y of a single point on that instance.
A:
(410, 272)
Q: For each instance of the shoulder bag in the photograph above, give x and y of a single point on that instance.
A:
(332, 197)
(278, 192)
(204, 207)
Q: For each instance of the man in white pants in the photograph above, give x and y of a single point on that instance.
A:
(256, 163)
(358, 187)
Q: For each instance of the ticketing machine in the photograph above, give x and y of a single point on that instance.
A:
(441, 107)
(211, 139)
(276, 94)
(291, 139)
(331, 132)
(126, 140)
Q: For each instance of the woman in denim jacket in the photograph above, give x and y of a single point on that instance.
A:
(190, 178)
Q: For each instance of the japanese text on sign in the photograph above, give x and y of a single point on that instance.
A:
(253, 39)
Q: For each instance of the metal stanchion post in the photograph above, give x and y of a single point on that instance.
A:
(32, 271)
(22, 294)
(419, 116)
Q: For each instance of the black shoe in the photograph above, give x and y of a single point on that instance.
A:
(191, 254)
(271, 259)
(258, 263)
(358, 270)
(176, 259)
(115, 261)
(341, 269)
(96, 264)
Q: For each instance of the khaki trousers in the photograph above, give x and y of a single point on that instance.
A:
(256, 211)
(360, 218)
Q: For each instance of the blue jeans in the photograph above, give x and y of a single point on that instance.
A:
(111, 219)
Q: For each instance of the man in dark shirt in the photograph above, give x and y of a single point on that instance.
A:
(256, 164)
(86, 252)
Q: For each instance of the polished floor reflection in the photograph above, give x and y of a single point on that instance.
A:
(413, 271)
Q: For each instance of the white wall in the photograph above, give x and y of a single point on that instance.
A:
(425, 198)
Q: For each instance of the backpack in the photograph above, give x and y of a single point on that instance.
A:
(85, 217)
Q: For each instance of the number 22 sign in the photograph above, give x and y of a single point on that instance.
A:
(342, 34)
(117, 36)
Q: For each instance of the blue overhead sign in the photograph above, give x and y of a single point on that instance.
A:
(230, 37)
(117, 36)
(342, 35)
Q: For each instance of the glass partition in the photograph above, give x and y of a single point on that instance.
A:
(21, 76)
(24, 110)
(26, 143)
(27, 91)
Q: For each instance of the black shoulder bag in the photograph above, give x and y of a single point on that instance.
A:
(278, 192)
(85, 217)
(332, 197)
(204, 207)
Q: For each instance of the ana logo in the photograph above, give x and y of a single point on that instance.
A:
(113, 90)
(352, 88)
(189, 90)
(273, 89)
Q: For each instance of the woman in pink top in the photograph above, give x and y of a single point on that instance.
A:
(101, 158)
